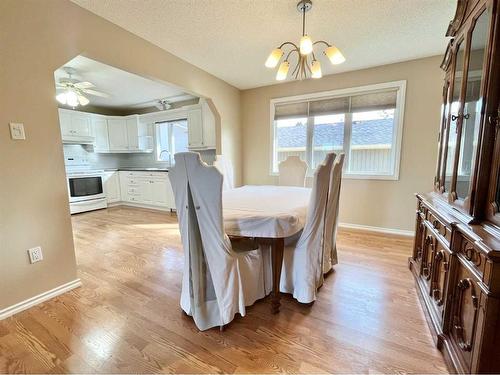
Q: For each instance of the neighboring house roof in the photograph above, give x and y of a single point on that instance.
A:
(371, 132)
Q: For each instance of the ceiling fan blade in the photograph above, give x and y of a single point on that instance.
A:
(96, 93)
(84, 85)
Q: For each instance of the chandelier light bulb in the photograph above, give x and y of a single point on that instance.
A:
(316, 69)
(306, 45)
(71, 98)
(283, 71)
(274, 58)
(334, 54)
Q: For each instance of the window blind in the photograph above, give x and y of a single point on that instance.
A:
(347, 104)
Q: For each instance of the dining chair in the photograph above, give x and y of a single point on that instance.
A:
(292, 172)
(219, 279)
(225, 167)
(331, 216)
(302, 258)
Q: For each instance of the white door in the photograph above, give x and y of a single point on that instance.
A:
(117, 132)
(195, 128)
(132, 134)
(101, 142)
(160, 197)
(80, 124)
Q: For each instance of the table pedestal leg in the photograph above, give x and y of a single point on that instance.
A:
(277, 248)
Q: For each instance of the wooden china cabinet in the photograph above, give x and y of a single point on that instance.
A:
(456, 255)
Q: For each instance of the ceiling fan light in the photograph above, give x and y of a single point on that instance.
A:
(316, 69)
(71, 98)
(61, 98)
(306, 45)
(274, 58)
(83, 100)
(334, 54)
(283, 71)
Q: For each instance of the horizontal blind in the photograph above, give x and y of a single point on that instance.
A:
(329, 106)
(290, 110)
(374, 101)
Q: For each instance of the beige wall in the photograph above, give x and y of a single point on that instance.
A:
(36, 38)
(386, 204)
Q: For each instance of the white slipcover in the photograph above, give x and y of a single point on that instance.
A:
(265, 211)
(292, 172)
(332, 212)
(225, 167)
(217, 282)
(302, 272)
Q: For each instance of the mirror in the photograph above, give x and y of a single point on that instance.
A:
(454, 110)
(472, 105)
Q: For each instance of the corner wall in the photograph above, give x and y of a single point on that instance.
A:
(36, 38)
(374, 203)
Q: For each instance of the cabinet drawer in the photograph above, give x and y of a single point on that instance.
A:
(439, 227)
(469, 254)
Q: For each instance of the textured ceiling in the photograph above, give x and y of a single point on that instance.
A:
(125, 90)
(232, 38)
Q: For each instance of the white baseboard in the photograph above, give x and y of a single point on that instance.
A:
(30, 302)
(399, 232)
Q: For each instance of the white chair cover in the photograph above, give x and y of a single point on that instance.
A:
(302, 259)
(225, 167)
(217, 282)
(332, 212)
(292, 172)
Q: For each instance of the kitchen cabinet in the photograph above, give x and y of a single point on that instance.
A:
(132, 133)
(75, 126)
(201, 127)
(151, 189)
(118, 135)
(100, 125)
(112, 186)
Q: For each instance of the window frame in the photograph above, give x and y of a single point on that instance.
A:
(157, 124)
(400, 86)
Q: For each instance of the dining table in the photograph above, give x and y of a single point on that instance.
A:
(269, 214)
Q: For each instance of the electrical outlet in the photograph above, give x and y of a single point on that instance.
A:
(35, 254)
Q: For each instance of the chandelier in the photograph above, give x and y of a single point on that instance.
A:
(307, 64)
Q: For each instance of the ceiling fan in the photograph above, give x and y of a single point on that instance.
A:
(74, 91)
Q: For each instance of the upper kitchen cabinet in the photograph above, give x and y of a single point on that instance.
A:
(121, 134)
(201, 127)
(76, 127)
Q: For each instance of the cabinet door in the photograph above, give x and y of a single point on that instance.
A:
(80, 124)
(195, 128)
(428, 251)
(101, 142)
(117, 131)
(65, 124)
(473, 104)
(112, 186)
(440, 278)
(132, 134)
(159, 192)
(454, 118)
(146, 191)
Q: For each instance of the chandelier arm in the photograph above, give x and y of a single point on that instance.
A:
(291, 43)
(295, 69)
(322, 42)
(289, 53)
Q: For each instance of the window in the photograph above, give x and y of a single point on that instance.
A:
(365, 123)
(171, 138)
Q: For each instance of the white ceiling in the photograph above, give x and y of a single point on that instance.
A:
(126, 90)
(232, 38)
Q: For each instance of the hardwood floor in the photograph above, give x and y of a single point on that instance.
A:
(126, 318)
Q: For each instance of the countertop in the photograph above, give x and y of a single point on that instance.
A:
(137, 169)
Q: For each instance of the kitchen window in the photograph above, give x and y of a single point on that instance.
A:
(171, 138)
(365, 123)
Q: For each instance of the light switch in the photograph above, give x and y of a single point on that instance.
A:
(17, 130)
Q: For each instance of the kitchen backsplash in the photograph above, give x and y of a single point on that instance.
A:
(108, 161)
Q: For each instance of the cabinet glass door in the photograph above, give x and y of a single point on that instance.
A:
(472, 106)
(455, 109)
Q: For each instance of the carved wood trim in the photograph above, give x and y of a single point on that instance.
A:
(462, 286)
(458, 18)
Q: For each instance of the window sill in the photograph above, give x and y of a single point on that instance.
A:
(356, 177)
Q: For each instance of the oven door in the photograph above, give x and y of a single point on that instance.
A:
(85, 187)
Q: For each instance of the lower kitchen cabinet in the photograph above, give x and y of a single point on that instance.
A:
(112, 186)
(151, 189)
